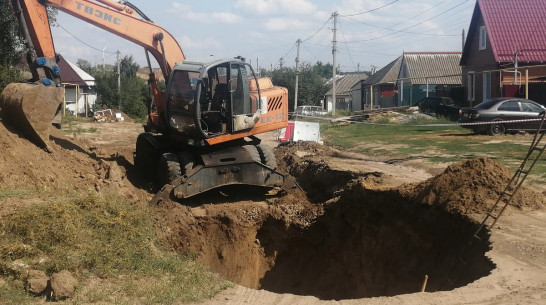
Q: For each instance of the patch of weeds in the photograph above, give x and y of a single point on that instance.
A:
(6, 193)
(13, 293)
(106, 237)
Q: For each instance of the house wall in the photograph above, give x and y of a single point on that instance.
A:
(70, 98)
(357, 100)
(478, 61)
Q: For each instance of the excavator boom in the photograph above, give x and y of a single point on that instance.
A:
(32, 107)
(197, 137)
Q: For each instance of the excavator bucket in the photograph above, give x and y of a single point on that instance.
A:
(31, 109)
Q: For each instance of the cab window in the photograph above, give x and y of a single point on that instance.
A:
(181, 92)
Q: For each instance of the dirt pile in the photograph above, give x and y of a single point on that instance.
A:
(471, 186)
(308, 162)
(73, 165)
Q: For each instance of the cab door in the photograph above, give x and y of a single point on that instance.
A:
(241, 109)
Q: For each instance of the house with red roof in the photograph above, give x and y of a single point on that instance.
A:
(80, 89)
(505, 51)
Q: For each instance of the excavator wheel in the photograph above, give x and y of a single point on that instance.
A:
(267, 156)
(31, 109)
(253, 152)
(169, 168)
(187, 162)
(146, 155)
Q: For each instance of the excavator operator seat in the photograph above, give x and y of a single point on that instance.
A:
(221, 95)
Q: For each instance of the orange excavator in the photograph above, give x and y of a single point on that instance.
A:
(201, 132)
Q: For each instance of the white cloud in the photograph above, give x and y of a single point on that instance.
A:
(282, 24)
(186, 12)
(206, 44)
(270, 7)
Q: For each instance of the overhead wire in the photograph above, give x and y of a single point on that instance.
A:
(282, 58)
(419, 23)
(346, 46)
(90, 46)
(320, 29)
(372, 10)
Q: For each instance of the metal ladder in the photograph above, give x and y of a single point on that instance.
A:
(511, 189)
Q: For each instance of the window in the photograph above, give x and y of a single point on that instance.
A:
(509, 106)
(483, 38)
(486, 86)
(471, 86)
(529, 107)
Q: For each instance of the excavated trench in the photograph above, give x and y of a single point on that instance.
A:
(365, 243)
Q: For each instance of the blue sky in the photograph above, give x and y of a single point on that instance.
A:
(370, 32)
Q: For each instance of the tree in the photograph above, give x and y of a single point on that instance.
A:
(85, 65)
(132, 97)
(128, 67)
(312, 84)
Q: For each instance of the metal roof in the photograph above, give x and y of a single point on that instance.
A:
(440, 68)
(515, 26)
(72, 74)
(387, 74)
(344, 85)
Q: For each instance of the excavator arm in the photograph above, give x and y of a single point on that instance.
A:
(25, 104)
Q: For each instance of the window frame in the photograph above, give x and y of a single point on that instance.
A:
(483, 38)
(471, 82)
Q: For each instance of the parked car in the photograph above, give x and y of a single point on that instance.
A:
(497, 110)
(440, 106)
(310, 111)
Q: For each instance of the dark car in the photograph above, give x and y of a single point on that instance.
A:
(497, 110)
(440, 106)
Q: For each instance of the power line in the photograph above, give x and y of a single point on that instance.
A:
(372, 10)
(320, 29)
(281, 59)
(346, 46)
(99, 50)
(419, 23)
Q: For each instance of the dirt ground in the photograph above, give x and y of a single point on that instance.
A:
(352, 230)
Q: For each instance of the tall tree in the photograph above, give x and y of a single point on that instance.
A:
(128, 67)
(312, 84)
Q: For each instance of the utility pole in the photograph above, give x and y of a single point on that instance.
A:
(515, 68)
(334, 72)
(103, 64)
(119, 71)
(297, 75)
(462, 43)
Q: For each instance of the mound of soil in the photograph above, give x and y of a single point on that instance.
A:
(72, 166)
(471, 186)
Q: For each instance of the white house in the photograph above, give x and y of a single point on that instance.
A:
(80, 90)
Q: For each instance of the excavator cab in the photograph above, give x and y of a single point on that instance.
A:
(207, 99)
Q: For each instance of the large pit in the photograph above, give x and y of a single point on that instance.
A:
(344, 242)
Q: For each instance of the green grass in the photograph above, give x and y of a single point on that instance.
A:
(105, 237)
(437, 144)
(7, 193)
(70, 124)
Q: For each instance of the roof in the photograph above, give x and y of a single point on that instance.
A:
(387, 74)
(513, 26)
(344, 84)
(72, 74)
(440, 68)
